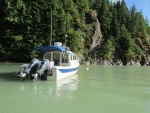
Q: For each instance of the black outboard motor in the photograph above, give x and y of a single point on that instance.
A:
(43, 71)
(32, 69)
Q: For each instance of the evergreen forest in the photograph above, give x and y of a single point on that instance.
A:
(25, 24)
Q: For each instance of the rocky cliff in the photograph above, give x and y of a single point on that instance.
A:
(96, 44)
(97, 37)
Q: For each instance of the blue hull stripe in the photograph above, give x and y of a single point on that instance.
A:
(68, 70)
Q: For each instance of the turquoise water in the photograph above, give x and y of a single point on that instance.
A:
(95, 89)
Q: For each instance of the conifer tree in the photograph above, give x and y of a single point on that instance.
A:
(25, 24)
(105, 18)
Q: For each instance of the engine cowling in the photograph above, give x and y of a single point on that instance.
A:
(33, 68)
(43, 69)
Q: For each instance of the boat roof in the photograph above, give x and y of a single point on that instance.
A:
(44, 49)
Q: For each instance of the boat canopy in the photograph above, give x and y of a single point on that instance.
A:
(44, 49)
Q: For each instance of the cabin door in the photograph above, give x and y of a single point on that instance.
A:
(56, 59)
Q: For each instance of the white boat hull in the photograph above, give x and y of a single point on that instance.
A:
(60, 73)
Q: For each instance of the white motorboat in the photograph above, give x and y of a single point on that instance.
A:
(57, 62)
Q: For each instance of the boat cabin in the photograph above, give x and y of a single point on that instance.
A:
(61, 58)
(58, 55)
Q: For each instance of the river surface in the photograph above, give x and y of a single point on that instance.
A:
(95, 89)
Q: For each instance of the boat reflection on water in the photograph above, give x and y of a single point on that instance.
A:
(57, 91)
(65, 88)
(68, 83)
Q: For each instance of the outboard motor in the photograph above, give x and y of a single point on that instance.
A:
(21, 73)
(31, 71)
(43, 71)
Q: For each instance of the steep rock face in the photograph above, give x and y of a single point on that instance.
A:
(133, 62)
(97, 37)
(96, 43)
(145, 59)
(148, 60)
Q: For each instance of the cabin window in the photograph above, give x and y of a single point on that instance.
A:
(74, 57)
(71, 57)
(47, 56)
(64, 58)
(56, 58)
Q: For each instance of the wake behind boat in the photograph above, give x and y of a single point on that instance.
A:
(57, 62)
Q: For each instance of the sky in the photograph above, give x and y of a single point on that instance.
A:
(143, 5)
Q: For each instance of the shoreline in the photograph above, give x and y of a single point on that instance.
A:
(85, 63)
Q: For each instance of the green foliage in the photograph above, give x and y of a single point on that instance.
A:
(105, 17)
(108, 49)
(134, 51)
(75, 40)
(25, 24)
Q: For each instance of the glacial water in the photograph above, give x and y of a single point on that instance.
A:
(94, 89)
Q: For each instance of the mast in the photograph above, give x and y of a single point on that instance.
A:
(51, 28)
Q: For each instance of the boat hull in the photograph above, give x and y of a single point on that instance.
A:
(60, 73)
